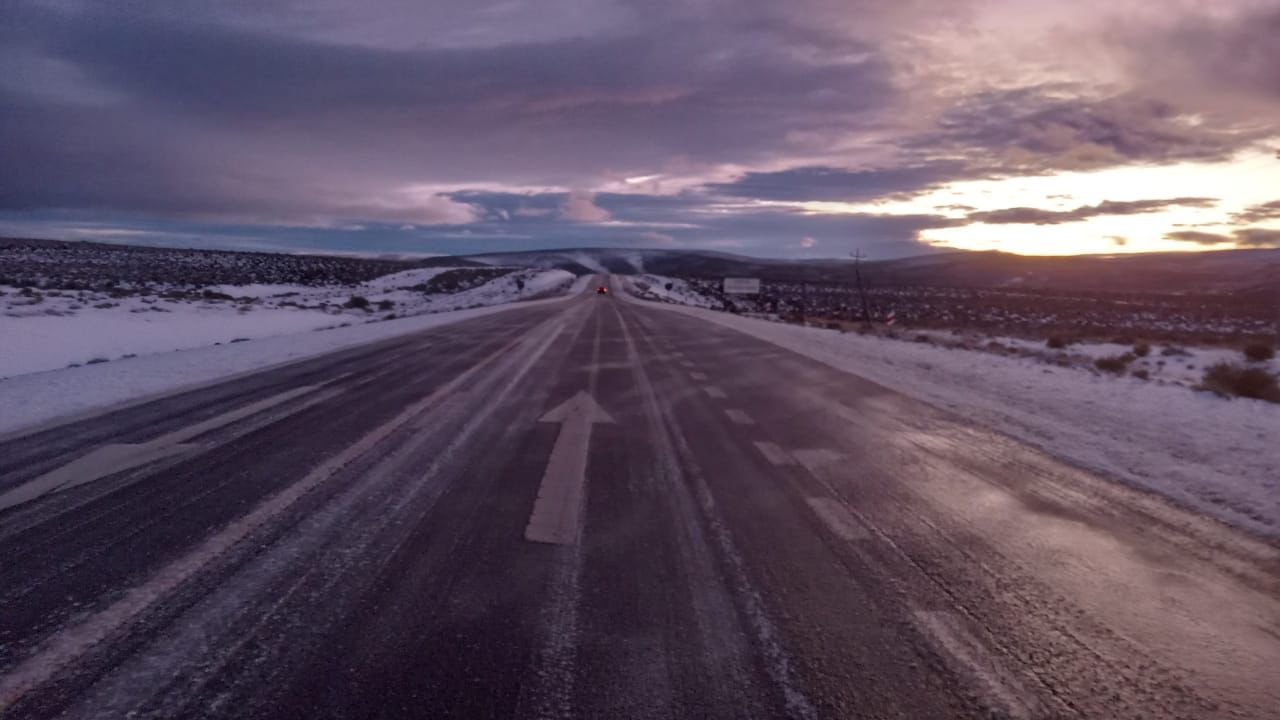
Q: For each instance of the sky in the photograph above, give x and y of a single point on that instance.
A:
(807, 128)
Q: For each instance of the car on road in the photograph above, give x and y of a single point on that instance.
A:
(602, 290)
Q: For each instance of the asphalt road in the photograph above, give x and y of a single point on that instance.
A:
(601, 509)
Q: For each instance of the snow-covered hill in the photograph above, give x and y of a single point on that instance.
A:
(50, 328)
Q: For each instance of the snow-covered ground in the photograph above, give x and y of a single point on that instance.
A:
(36, 398)
(1219, 455)
(50, 329)
(668, 289)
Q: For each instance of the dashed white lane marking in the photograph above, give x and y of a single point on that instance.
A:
(119, 457)
(688, 363)
(999, 688)
(773, 453)
(815, 459)
(739, 417)
(838, 519)
(715, 392)
(697, 375)
(559, 504)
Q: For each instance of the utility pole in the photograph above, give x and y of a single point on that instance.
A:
(857, 275)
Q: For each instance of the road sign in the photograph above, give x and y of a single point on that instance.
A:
(742, 286)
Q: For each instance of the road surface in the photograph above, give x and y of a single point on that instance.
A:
(602, 509)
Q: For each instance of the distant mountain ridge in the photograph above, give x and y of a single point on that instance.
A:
(1216, 271)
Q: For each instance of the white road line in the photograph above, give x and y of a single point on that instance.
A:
(838, 519)
(739, 416)
(557, 510)
(715, 392)
(999, 688)
(688, 363)
(119, 457)
(773, 453)
(698, 375)
(814, 459)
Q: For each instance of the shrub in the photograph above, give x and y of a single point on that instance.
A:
(1141, 374)
(1056, 343)
(1141, 349)
(1250, 382)
(358, 301)
(1259, 352)
(386, 304)
(1114, 364)
(96, 361)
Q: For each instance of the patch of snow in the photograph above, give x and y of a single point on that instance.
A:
(1220, 456)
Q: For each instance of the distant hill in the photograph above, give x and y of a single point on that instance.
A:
(1247, 271)
(1226, 270)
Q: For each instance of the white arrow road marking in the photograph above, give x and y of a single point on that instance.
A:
(119, 457)
(557, 510)
(739, 417)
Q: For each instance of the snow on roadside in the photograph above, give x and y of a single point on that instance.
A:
(656, 287)
(66, 328)
(35, 398)
(1219, 456)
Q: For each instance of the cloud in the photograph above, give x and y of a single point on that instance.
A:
(580, 206)
(1258, 213)
(1247, 237)
(1036, 128)
(1038, 216)
(807, 242)
(1198, 237)
(1258, 237)
(837, 184)
(656, 238)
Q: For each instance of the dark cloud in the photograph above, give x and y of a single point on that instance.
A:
(1035, 128)
(1038, 216)
(1198, 237)
(206, 117)
(1212, 54)
(1258, 213)
(835, 184)
(1258, 237)
(1247, 237)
